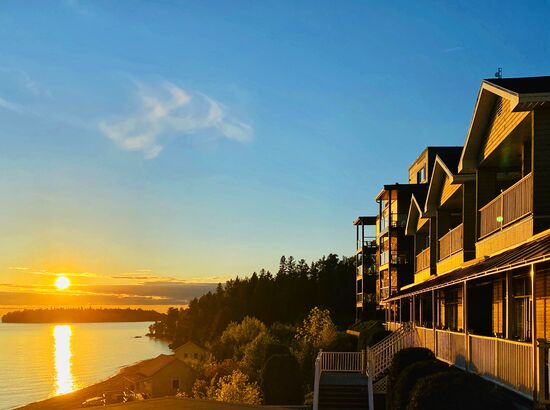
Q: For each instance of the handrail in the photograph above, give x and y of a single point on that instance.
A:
(451, 242)
(510, 205)
(423, 260)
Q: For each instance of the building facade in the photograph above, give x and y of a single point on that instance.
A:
(477, 289)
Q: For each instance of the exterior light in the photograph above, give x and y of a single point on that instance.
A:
(500, 219)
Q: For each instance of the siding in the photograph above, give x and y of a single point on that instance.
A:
(541, 170)
(450, 263)
(421, 223)
(500, 126)
(498, 306)
(448, 190)
(509, 236)
(542, 292)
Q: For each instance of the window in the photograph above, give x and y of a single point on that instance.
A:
(421, 175)
(521, 308)
(175, 384)
(185, 355)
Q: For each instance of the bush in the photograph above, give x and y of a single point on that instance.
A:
(400, 394)
(367, 331)
(456, 390)
(403, 359)
(343, 343)
(281, 382)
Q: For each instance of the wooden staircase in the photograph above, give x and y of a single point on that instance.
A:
(349, 397)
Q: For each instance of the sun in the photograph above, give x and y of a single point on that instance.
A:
(62, 282)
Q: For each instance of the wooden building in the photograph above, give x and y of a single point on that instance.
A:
(191, 351)
(480, 233)
(164, 375)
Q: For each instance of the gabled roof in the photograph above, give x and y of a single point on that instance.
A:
(365, 220)
(522, 85)
(190, 343)
(416, 210)
(149, 367)
(535, 250)
(524, 94)
(442, 169)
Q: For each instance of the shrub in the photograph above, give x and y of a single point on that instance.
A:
(343, 343)
(403, 359)
(456, 390)
(399, 395)
(280, 381)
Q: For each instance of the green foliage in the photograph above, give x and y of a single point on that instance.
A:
(456, 390)
(255, 354)
(343, 343)
(318, 330)
(280, 380)
(371, 332)
(237, 388)
(285, 297)
(403, 359)
(398, 397)
(238, 335)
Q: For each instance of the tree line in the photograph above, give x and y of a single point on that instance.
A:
(81, 315)
(286, 297)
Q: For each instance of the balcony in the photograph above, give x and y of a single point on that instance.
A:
(508, 207)
(423, 260)
(367, 243)
(397, 221)
(452, 242)
(395, 258)
(359, 299)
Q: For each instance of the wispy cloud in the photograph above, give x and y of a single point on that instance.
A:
(11, 106)
(171, 111)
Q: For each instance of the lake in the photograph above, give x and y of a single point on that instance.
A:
(38, 361)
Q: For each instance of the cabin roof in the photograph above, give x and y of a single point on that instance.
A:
(535, 250)
(522, 85)
(149, 367)
(190, 343)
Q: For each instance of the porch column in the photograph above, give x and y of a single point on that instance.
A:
(534, 334)
(465, 322)
(434, 316)
(507, 295)
(413, 318)
(400, 307)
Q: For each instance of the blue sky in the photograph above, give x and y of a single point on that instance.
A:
(198, 140)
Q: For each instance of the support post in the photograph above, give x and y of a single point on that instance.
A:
(434, 319)
(465, 323)
(534, 334)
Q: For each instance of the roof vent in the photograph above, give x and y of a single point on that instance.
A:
(498, 74)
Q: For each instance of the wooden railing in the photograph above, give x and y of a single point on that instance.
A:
(380, 355)
(451, 242)
(509, 206)
(423, 260)
(351, 362)
(504, 361)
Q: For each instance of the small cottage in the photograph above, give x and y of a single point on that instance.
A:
(191, 351)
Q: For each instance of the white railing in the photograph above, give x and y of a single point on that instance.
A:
(504, 361)
(380, 355)
(341, 362)
(350, 362)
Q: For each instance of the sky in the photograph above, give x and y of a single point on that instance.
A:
(152, 149)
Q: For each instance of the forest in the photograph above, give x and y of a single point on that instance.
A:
(264, 330)
(81, 315)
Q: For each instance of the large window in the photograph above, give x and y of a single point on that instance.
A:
(421, 175)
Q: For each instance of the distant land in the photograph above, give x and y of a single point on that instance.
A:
(81, 315)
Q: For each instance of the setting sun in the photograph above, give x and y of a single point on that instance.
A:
(62, 282)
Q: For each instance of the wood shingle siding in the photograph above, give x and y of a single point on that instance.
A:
(542, 303)
(502, 122)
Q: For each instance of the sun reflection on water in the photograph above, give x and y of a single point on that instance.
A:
(63, 372)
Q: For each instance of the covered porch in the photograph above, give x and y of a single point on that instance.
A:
(490, 319)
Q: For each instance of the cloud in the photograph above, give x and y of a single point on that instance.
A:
(11, 106)
(170, 111)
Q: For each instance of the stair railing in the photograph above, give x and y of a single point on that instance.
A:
(380, 355)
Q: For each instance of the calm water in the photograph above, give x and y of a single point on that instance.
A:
(38, 361)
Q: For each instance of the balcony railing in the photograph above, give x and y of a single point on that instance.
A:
(367, 242)
(423, 260)
(510, 205)
(395, 258)
(397, 221)
(451, 242)
(359, 298)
